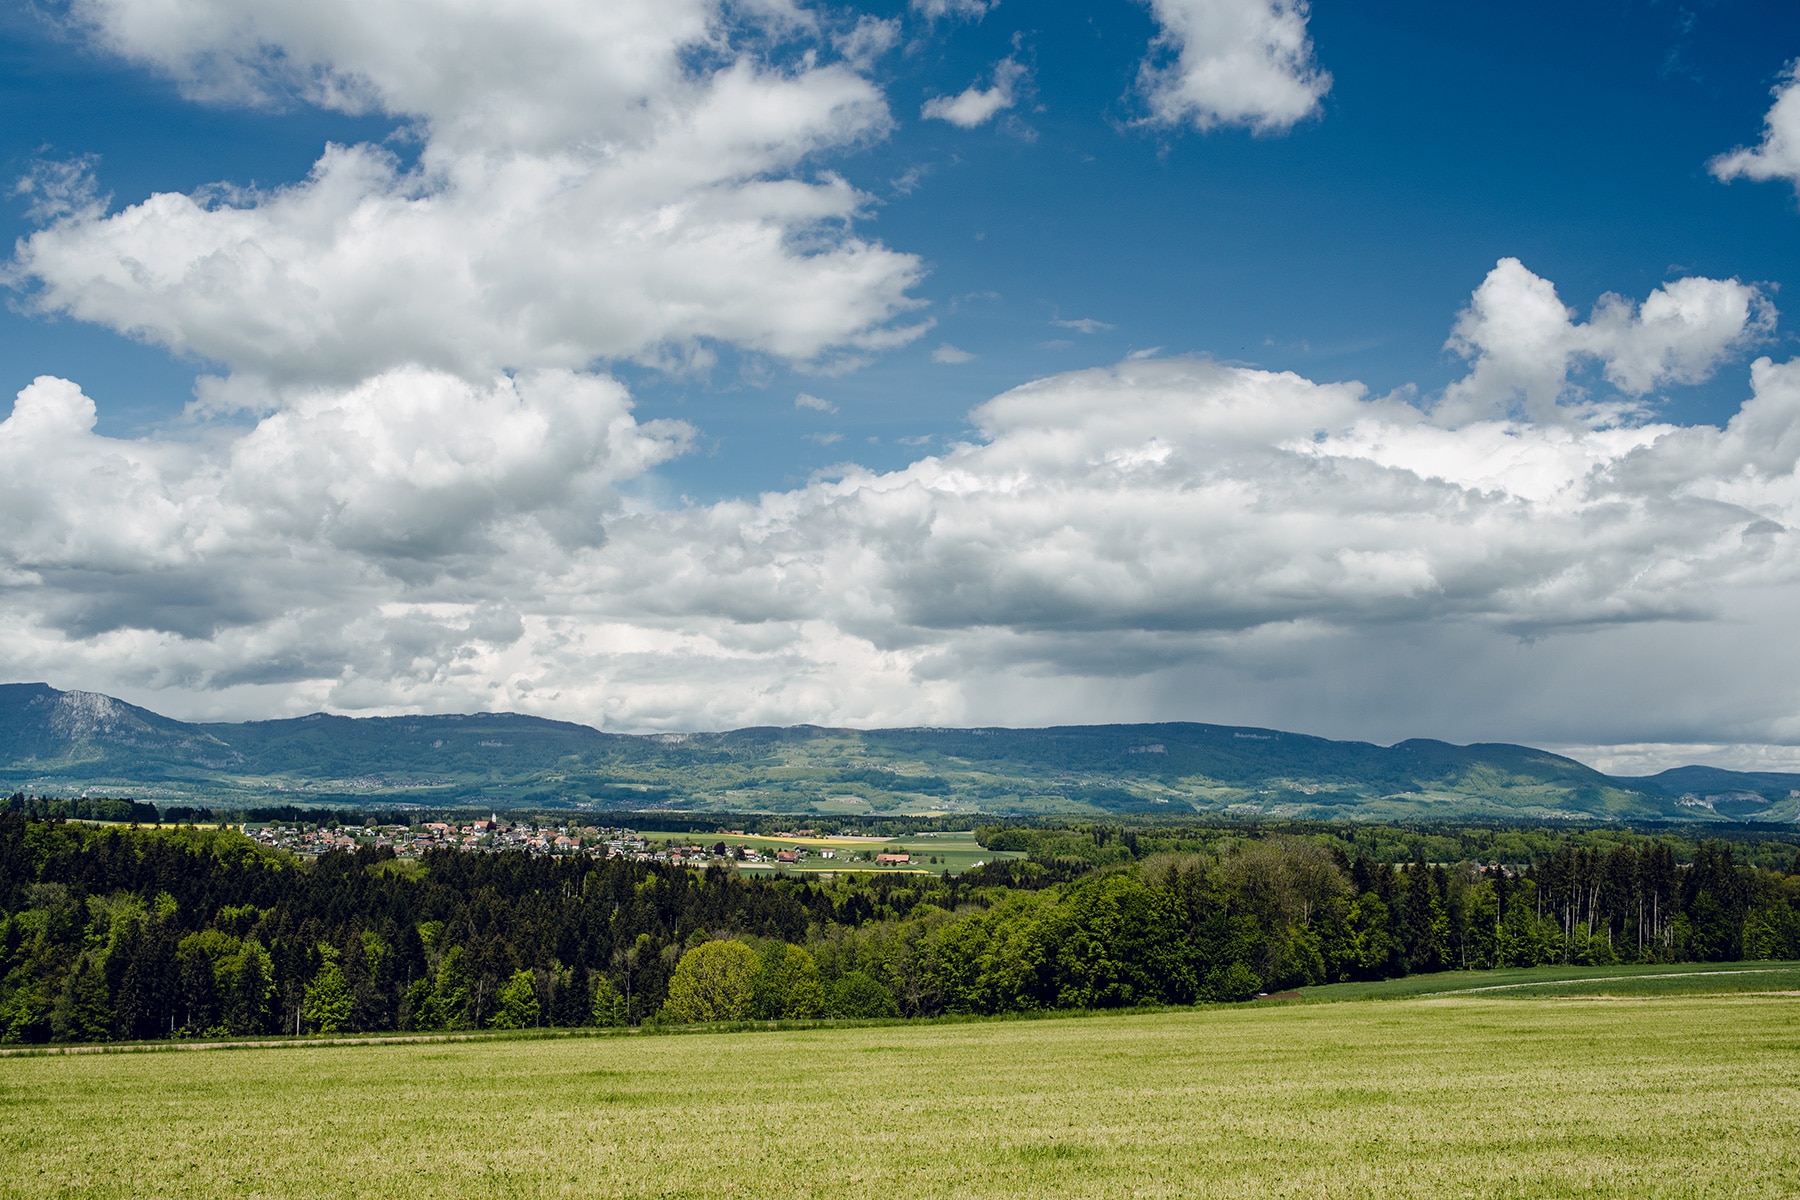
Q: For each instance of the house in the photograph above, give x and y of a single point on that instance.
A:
(891, 859)
(787, 856)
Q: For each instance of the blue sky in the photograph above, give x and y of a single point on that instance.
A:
(1079, 227)
(1575, 138)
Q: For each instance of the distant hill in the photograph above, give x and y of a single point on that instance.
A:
(1739, 795)
(66, 743)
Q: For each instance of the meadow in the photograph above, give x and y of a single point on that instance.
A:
(1639, 979)
(1475, 1095)
(932, 853)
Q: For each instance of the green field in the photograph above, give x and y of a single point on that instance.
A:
(1669, 1096)
(1660, 979)
(955, 852)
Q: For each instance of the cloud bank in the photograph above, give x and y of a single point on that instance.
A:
(1165, 537)
(411, 485)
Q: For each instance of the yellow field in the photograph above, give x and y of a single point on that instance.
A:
(1657, 1097)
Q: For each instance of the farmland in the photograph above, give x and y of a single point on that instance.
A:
(1468, 1096)
(936, 853)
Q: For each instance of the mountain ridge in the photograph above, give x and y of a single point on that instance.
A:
(63, 742)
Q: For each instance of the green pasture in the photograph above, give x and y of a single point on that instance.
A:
(1666, 979)
(956, 852)
(1469, 1096)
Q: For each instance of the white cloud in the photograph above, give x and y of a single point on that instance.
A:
(532, 75)
(1523, 342)
(1778, 156)
(1162, 538)
(410, 482)
(582, 194)
(967, 10)
(1083, 324)
(974, 105)
(1233, 62)
(57, 190)
(867, 40)
(430, 509)
(806, 400)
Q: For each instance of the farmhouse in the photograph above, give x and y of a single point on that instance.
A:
(893, 858)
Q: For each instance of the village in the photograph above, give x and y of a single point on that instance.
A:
(494, 834)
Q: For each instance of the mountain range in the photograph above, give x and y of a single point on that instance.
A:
(67, 743)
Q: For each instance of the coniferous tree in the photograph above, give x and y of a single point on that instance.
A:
(83, 1012)
(247, 1000)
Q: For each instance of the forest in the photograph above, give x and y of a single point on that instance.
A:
(110, 932)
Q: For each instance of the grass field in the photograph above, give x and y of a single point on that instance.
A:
(1666, 979)
(955, 852)
(1672, 1096)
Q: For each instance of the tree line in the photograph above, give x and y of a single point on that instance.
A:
(110, 933)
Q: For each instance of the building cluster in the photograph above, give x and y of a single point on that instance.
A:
(490, 835)
(494, 834)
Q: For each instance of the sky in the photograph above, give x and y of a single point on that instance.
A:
(1375, 371)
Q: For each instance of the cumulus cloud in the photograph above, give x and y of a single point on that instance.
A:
(1778, 155)
(584, 192)
(1164, 537)
(435, 502)
(533, 76)
(410, 482)
(1233, 62)
(807, 400)
(1523, 342)
(976, 105)
(1180, 495)
(1082, 324)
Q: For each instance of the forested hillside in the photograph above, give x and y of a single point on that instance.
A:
(111, 933)
(55, 743)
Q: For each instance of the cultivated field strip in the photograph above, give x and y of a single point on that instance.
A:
(1658, 1097)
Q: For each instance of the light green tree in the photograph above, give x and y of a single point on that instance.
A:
(787, 985)
(517, 1003)
(327, 1003)
(609, 1005)
(714, 982)
(447, 1006)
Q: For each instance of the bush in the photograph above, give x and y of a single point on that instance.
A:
(1235, 982)
(855, 994)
